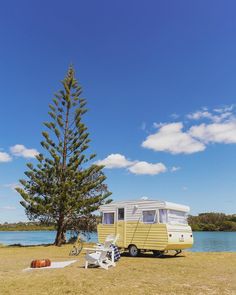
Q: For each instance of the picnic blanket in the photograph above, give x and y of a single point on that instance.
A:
(60, 264)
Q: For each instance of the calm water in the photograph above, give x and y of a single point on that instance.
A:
(214, 242)
(203, 241)
(34, 237)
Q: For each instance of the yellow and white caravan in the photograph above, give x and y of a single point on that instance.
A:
(146, 225)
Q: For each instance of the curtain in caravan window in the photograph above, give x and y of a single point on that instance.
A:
(163, 215)
(177, 217)
(149, 216)
(108, 218)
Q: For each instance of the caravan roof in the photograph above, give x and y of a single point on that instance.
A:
(154, 203)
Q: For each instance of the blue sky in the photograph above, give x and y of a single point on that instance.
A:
(159, 77)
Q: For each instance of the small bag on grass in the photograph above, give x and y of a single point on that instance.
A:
(40, 263)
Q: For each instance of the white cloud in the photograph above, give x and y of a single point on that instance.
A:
(115, 161)
(136, 167)
(184, 188)
(20, 150)
(218, 115)
(143, 167)
(215, 133)
(8, 208)
(171, 138)
(224, 109)
(174, 116)
(207, 115)
(158, 125)
(174, 169)
(199, 115)
(5, 157)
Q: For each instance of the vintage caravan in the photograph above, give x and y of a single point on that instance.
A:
(146, 225)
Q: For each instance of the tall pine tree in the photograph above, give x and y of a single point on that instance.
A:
(63, 187)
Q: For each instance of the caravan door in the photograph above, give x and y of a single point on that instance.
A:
(120, 226)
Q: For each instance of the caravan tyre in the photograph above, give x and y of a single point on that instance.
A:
(133, 251)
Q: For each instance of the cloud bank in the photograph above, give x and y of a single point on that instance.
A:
(143, 167)
(175, 138)
(115, 161)
(171, 138)
(135, 167)
(19, 150)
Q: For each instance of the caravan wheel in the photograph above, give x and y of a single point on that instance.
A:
(133, 251)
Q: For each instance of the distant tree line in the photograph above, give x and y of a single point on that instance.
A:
(212, 222)
(82, 225)
(26, 226)
(202, 222)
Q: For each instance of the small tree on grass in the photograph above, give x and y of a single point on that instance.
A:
(63, 188)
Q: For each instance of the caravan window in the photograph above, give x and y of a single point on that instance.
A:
(121, 213)
(149, 216)
(163, 216)
(177, 217)
(108, 218)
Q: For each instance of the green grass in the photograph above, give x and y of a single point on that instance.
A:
(189, 273)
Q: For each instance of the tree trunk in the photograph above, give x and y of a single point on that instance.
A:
(61, 231)
(60, 237)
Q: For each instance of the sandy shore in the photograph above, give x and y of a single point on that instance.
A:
(189, 273)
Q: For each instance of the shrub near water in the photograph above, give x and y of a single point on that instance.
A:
(213, 222)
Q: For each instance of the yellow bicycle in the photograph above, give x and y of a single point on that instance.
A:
(77, 247)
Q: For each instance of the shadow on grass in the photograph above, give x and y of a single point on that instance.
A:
(27, 246)
(148, 255)
(38, 245)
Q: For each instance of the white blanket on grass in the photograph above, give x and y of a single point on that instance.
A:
(60, 264)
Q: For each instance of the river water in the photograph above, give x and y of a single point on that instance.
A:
(203, 241)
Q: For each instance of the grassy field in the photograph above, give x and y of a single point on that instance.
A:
(190, 273)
